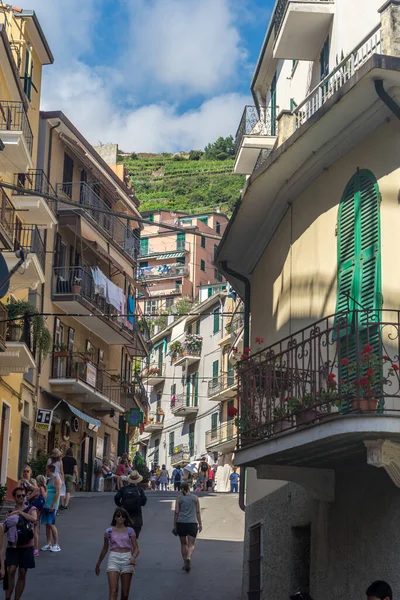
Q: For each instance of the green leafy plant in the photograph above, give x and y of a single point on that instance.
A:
(3, 493)
(38, 465)
(41, 335)
(143, 471)
(176, 348)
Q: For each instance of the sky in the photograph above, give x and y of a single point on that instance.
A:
(151, 75)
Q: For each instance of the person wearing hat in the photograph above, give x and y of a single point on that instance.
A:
(131, 497)
(55, 459)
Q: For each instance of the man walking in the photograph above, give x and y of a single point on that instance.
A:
(203, 469)
(177, 476)
(379, 590)
(50, 509)
(131, 497)
(234, 479)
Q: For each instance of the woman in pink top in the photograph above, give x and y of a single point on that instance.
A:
(121, 540)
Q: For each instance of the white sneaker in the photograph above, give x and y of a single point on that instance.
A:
(45, 548)
(55, 549)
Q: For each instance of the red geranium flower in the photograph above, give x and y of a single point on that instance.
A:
(331, 377)
(385, 357)
(344, 361)
(366, 349)
(259, 340)
(246, 350)
(232, 411)
(369, 372)
(245, 356)
(395, 367)
(364, 381)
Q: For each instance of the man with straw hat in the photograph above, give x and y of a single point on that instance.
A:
(131, 497)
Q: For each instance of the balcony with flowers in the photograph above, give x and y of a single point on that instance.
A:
(326, 394)
(153, 374)
(154, 421)
(187, 351)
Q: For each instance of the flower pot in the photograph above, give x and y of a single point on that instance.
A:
(282, 425)
(15, 332)
(61, 354)
(306, 416)
(365, 405)
(76, 289)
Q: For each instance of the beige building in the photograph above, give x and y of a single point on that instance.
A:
(174, 264)
(313, 249)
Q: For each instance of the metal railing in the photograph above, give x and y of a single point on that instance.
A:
(237, 322)
(256, 121)
(28, 237)
(180, 453)
(77, 368)
(7, 215)
(226, 432)
(143, 325)
(83, 193)
(191, 345)
(370, 45)
(164, 271)
(165, 289)
(150, 251)
(155, 369)
(219, 384)
(13, 117)
(140, 391)
(19, 330)
(3, 325)
(346, 363)
(155, 418)
(183, 400)
(36, 181)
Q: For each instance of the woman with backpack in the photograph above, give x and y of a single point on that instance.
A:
(163, 479)
(18, 528)
(37, 498)
(120, 540)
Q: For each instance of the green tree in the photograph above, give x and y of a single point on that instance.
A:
(220, 146)
(195, 154)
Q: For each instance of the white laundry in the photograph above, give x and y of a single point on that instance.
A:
(100, 282)
(115, 296)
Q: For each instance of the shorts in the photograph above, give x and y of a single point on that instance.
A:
(20, 557)
(177, 486)
(69, 483)
(185, 529)
(119, 562)
(48, 517)
(202, 476)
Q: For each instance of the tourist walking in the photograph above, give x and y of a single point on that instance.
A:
(50, 509)
(37, 498)
(18, 528)
(187, 523)
(120, 540)
(176, 479)
(163, 479)
(121, 473)
(234, 479)
(70, 469)
(202, 477)
(55, 459)
(131, 497)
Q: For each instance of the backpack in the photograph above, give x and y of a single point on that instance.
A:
(39, 502)
(177, 477)
(131, 499)
(24, 531)
(204, 467)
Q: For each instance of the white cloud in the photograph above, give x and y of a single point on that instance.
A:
(185, 46)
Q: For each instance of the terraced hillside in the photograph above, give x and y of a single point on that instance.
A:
(177, 183)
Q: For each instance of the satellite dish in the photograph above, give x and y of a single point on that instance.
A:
(3, 276)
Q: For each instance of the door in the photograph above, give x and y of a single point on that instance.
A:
(273, 105)
(230, 374)
(324, 65)
(195, 388)
(4, 439)
(23, 446)
(86, 469)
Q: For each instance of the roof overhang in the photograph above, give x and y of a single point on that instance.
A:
(9, 68)
(37, 36)
(342, 122)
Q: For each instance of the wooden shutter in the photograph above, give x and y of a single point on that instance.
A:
(191, 439)
(216, 320)
(214, 421)
(346, 249)
(195, 384)
(171, 442)
(188, 392)
(215, 371)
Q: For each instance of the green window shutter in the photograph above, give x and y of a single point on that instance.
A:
(216, 320)
(215, 371)
(181, 260)
(191, 439)
(150, 218)
(171, 442)
(203, 241)
(346, 250)
(209, 292)
(273, 105)
(324, 60)
(218, 227)
(195, 385)
(144, 246)
(188, 393)
(180, 241)
(214, 421)
(203, 220)
(202, 265)
(198, 327)
(231, 373)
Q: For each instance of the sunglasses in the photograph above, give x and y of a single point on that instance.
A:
(119, 516)
(20, 496)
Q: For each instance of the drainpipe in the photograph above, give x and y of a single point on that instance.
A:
(386, 99)
(246, 344)
(51, 148)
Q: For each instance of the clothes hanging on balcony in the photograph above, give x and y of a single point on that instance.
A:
(131, 310)
(116, 297)
(100, 282)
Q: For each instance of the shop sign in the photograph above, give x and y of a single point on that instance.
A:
(99, 447)
(134, 417)
(91, 375)
(43, 419)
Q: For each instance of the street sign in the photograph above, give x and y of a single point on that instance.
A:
(43, 419)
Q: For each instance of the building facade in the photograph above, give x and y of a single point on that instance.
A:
(192, 384)
(174, 264)
(311, 248)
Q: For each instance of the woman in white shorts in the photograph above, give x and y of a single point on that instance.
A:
(121, 540)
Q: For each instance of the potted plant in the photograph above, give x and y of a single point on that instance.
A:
(175, 350)
(304, 409)
(76, 286)
(87, 354)
(281, 416)
(60, 351)
(41, 337)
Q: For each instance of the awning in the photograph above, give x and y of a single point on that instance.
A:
(74, 410)
(169, 255)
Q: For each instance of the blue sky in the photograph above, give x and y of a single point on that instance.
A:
(152, 75)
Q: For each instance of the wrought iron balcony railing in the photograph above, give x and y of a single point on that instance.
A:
(28, 237)
(180, 454)
(140, 391)
(155, 369)
(218, 384)
(13, 117)
(36, 181)
(256, 121)
(83, 193)
(224, 433)
(182, 401)
(347, 363)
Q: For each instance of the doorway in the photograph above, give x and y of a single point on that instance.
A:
(23, 446)
(87, 463)
(4, 438)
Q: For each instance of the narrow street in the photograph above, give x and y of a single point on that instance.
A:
(217, 562)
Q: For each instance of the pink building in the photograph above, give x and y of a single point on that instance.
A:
(173, 264)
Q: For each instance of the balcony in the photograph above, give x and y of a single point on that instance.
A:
(257, 132)
(160, 272)
(318, 397)
(155, 422)
(16, 135)
(113, 229)
(165, 253)
(187, 352)
(77, 376)
(31, 274)
(222, 438)
(184, 405)
(165, 289)
(223, 387)
(301, 27)
(16, 343)
(141, 395)
(75, 290)
(180, 457)
(153, 374)
(35, 209)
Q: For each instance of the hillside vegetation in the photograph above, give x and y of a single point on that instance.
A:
(194, 182)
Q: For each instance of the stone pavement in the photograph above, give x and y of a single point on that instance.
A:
(217, 561)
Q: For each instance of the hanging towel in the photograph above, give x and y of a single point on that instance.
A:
(131, 310)
(100, 282)
(115, 296)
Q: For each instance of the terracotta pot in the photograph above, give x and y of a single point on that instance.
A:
(283, 425)
(15, 332)
(76, 289)
(365, 405)
(61, 353)
(307, 416)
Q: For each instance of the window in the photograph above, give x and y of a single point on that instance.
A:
(198, 327)
(173, 389)
(324, 62)
(144, 246)
(203, 220)
(181, 260)
(255, 558)
(169, 302)
(150, 218)
(195, 386)
(203, 241)
(231, 404)
(215, 252)
(218, 227)
(209, 292)
(191, 439)
(28, 74)
(186, 221)
(178, 284)
(188, 392)
(215, 372)
(189, 328)
(180, 241)
(144, 264)
(202, 265)
(156, 452)
(171, 442)
(68, 175)
(217, 275)
(300, 558)
(150, 307)
(216, 320)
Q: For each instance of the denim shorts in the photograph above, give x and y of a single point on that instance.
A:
(119, 562)
(48, 517)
